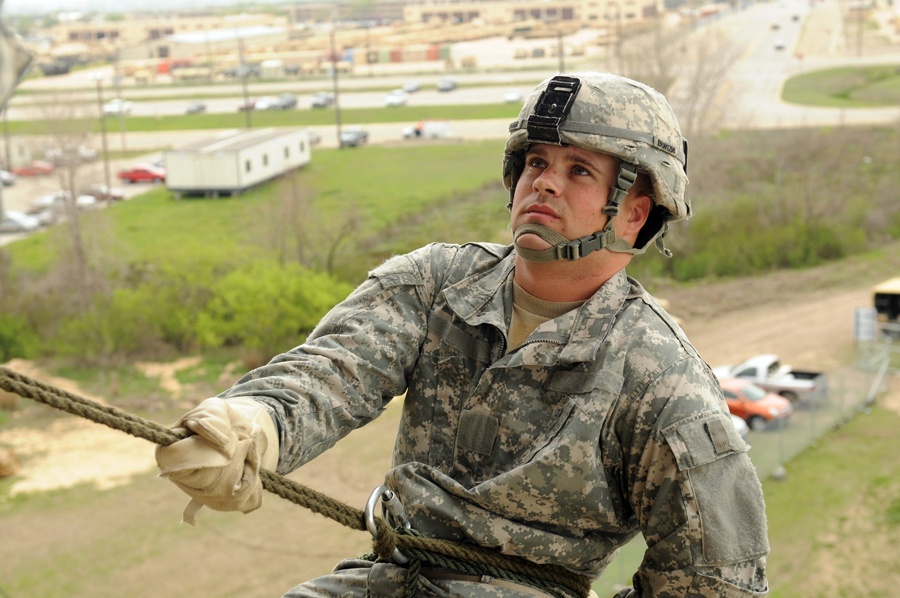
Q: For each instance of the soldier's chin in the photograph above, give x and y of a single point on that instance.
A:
(532, 241)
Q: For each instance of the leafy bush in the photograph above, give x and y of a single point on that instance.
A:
(17, 338)
(267, 308)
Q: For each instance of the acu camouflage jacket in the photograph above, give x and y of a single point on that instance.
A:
(605, 423)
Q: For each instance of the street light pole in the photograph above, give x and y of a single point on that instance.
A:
(103, 141)
(561, 51)
(117, 81)
(243, 73)
(334, 82)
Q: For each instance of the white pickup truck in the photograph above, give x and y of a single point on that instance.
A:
(767, 371)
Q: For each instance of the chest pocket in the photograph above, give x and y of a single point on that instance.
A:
(533, 451)
(453, 358)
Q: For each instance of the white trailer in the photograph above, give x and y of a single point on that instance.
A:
(230, 164)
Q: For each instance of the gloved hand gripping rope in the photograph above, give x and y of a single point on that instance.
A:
(387, 541)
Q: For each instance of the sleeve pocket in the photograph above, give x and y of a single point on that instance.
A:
(703, 439)
(720, 485)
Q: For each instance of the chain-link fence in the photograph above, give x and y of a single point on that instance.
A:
(851, 390)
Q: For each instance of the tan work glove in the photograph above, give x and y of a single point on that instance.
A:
(219, 465)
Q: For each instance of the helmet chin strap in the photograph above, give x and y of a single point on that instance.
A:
(571, 250)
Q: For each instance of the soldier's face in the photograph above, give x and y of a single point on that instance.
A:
(562, 188)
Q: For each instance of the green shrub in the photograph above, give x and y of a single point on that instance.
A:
(267, 308)
(17, 338)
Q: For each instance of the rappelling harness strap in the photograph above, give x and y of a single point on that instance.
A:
(434, 565)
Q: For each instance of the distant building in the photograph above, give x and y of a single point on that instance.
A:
(134, 30)
(586, 13)
(236, 162)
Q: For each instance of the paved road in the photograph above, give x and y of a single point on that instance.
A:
(749, 99)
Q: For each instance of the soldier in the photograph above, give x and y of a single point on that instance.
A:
(553, 410)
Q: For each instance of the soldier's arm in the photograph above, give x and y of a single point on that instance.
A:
(695, 493)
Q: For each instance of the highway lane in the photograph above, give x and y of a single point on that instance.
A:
(749, 98)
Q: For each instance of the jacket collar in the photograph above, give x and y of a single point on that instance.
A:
(486, 298)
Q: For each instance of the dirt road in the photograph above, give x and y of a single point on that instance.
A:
(120, 514)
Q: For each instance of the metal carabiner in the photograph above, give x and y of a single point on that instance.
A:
(395, 516)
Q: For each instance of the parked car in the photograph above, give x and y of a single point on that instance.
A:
(322, 99)
(757, 407)
(18, 222)
(45, 216)
(196, 107)
(446, 84)
(266, 103)
(35, 168)
(886, 300)
(512, 96)
(143, 173)
(286, 101)
(741, 426)
(247, 105)
(104, 193)
(397, 97)
(7, 178)
(116, 106)
(767, 372)
(314, 137)
(412, 86)
(56, 202)
(70, 155)
(428, 129)
(354, 137)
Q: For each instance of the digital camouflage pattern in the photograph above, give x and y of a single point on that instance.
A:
(623, 118)
(604, 424)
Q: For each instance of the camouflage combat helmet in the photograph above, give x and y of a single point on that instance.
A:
(616, 116)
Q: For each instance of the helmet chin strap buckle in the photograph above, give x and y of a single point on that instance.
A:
(562, 248)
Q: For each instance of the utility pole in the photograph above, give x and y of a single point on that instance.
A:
(560, 50)
(860, 23)
(104, 145)
(334, 83)
(117, 82)
(243, 73)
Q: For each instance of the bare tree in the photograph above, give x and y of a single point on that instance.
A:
(647, 57)
(689, 65)
(68, 129)
(297, 231)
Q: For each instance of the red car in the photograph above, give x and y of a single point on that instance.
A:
(143, 173)
(36, 168)
(758, 408)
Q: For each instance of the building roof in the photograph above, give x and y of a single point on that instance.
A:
(218, 35)
(235, 141)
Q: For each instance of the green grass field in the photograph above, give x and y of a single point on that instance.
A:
(846, 87)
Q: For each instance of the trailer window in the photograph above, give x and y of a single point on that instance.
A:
(247, 166)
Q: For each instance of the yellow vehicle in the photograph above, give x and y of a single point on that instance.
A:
(887, 300)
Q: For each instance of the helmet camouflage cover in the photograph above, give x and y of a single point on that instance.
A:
(613, 115)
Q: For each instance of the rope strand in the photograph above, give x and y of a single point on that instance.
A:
(388, 539)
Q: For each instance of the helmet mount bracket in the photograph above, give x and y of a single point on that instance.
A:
(551, 109)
